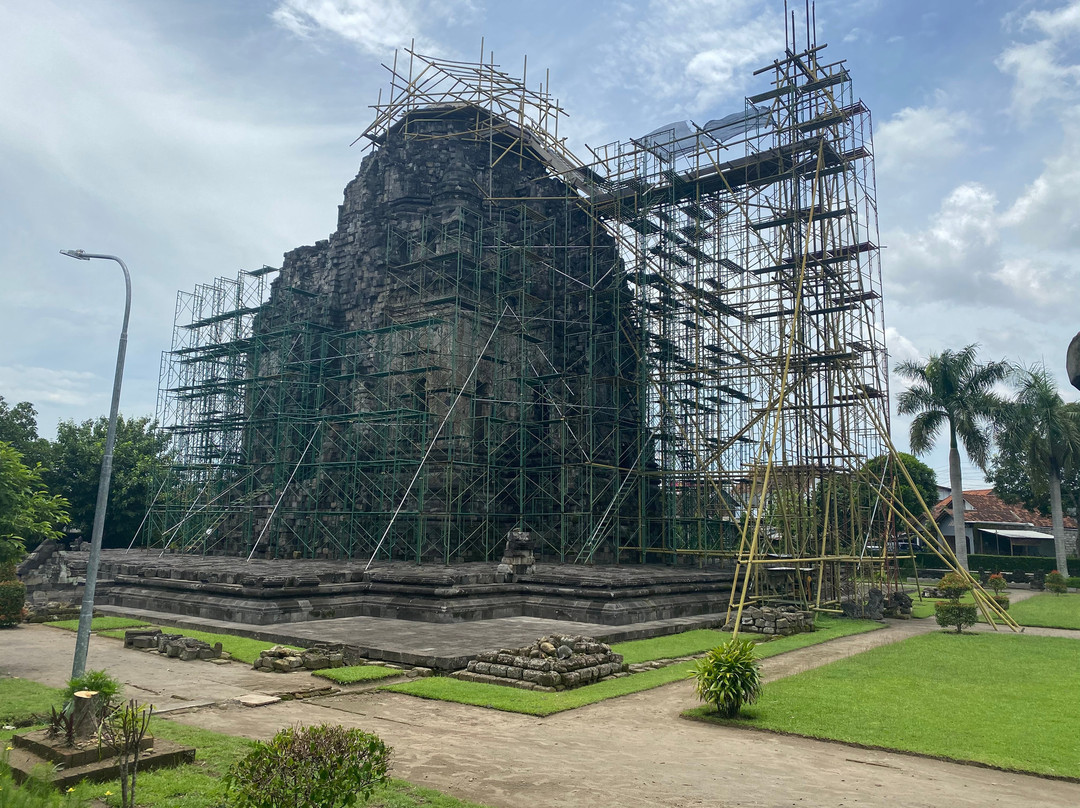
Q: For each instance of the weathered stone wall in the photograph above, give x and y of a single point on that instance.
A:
(550, 664)
(781, 621)
(439, 251)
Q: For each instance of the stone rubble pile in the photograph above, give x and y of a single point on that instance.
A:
(781, 621)
(552, 663)
(175, 646)
(288, 660)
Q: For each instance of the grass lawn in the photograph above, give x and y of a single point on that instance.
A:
(357, 673)
(243, 649)
(100, 623)
(1053, 611)
(531, 702)
(23, 702)
(196, 785)
(943, 695)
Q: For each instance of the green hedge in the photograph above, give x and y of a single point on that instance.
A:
(12, 600)
(991, 563)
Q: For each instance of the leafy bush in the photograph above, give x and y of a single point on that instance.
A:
(321, 766)
(1055, 582)
(1038, 580)
(998, 583)
(929, 561)
(728, 676)
(1002, 601)
(12, 602)
(953, 586)
(1073, 582)
(100, 681)
(953, 613)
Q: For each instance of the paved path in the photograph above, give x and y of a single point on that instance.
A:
(632, 751)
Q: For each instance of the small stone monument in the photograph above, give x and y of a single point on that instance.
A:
(518, 558)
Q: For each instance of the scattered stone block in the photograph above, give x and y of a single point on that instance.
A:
(258, 700)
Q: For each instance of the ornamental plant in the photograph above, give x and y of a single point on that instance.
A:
(951, 612)
(321, 766)
(728, 676)
(998, 583)
(1056, 583)
(953, 586)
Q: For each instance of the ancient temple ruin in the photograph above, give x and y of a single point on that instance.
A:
(670, 352)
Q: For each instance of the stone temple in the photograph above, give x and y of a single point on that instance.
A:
(661, 366)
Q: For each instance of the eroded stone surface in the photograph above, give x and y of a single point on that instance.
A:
(552, 663)
(780, 621)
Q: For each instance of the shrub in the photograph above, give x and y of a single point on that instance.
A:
(929, 561)
(1002, 601)
(100, 681)
(1055, 582)
(1073, 582)
(953, 586)
(952, 613)
(728, 676)
(998, 583)
(12, 603)
(1038, 580)
(321, 766)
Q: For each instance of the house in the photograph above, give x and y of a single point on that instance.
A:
(996, 528)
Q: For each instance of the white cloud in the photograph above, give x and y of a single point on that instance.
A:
(901, 349)
(1048, 211)
(916, 137)
(377, 27)
(40, 385)
(952, 254)
(690, 56)
(1041, 70)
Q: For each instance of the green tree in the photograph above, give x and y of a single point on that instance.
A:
(1013, 482)
(18, 427)
(952, 389)
(28, 513)
(1045, 433)
(76, 466)
(879, 477)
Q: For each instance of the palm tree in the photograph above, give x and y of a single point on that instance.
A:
(1046, 432)
(952, 388)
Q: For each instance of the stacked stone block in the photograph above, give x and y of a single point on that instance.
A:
(551, 664)
(280, 659)
(780, 621)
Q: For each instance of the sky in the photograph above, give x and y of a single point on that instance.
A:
(197, 138)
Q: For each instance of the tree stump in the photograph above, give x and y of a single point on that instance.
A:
(87, 713)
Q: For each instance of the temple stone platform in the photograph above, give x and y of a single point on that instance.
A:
(441, 646)
(263, 593)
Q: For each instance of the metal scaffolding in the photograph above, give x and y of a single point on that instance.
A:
(677, 355)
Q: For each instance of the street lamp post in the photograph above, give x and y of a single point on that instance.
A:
(86, 614)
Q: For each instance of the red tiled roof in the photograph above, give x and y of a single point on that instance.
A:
(988, 507)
